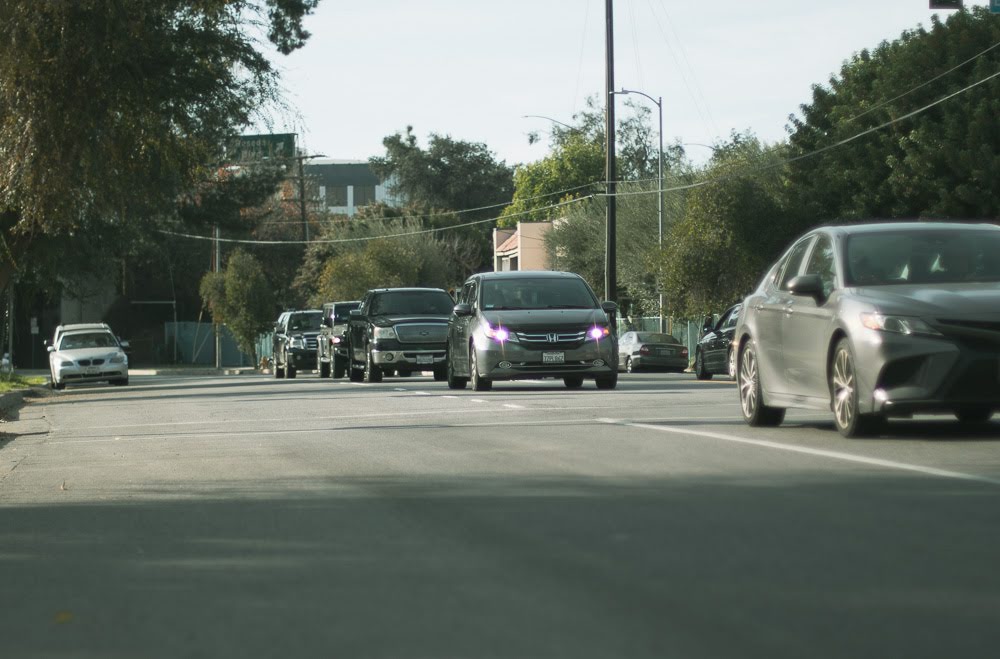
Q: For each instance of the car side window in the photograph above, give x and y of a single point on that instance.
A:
(794, 262)
(821, 263)
(731, 318)
(465, 297)
(473, 295)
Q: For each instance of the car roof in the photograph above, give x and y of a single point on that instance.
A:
(406, 290)
(876, 227)
(81, 326)
(526, 274)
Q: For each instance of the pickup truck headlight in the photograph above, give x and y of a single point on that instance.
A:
(384, 333)
(297, 342)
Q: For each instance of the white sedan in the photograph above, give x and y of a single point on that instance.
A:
(88, 356)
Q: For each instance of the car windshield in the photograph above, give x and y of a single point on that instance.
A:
(923, 257)
(305, 321)
(537, 293)
(437, 303)
(654, 337)
(342, 312)
(87, 340)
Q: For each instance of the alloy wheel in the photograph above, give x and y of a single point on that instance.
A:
(844, 399)
(748, 383)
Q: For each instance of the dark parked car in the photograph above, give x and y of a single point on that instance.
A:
(651, 351)
(526, 325)
(294, 342)
(400, 330)
(714, 354)
(331, 344)
(874, 321)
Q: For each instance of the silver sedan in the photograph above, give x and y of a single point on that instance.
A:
(873, 321)
(88, 356)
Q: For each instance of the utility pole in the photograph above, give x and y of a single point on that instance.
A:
(216, 267)
(610, 261)
(302, 197)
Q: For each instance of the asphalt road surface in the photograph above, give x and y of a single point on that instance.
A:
(253, 517)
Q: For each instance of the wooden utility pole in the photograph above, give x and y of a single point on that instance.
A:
(610, 261)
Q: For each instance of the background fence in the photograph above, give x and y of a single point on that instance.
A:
(194, 343)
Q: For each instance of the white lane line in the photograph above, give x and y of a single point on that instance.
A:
(399, 389)
(450, 397)
(420, 393)
(513, 406)
(822, 453)
(477, 400)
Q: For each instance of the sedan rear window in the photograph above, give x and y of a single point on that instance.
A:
(923, 257)
(653, 337)
(537, 293)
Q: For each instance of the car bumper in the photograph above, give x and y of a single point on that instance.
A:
(900, 376)
(301, 358)
(426, 357)
(659, 363)
(510, 361)
(104, 373)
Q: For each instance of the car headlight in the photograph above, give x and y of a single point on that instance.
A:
(297, 342)
(118, 358)
(897, 324)
(598, 332)
(384, 333)
(499, 333)
(63, 363)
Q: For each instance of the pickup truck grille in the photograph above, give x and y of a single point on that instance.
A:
(422, 332)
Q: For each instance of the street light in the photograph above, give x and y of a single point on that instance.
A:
(659, 188)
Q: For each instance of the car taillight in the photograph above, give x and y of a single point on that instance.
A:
(684, 352)
(644, 350)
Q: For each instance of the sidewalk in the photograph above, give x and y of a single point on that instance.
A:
(166, 370)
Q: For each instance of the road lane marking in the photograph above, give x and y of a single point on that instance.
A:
(513, 406)
(821, 453)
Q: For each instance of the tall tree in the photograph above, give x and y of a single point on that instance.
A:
(240, 298)
(109, 109)
(943, 162)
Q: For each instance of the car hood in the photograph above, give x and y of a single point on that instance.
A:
(976, 300)
(390, 319)
(87, 353)
(527, 319)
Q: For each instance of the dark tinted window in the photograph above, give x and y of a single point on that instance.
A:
(923, 256)
(537, 293)
(412, 302)
(821, 263)
(794, 262)
(730, 319)
(656, 337)
(88, 340)
(342, 312)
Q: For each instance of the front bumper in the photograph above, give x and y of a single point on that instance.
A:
(423, 356)
(512, 361)
(301, 358)
(905, 375)
(103, 373)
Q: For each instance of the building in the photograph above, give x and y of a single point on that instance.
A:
(343, 186)
(522, 248)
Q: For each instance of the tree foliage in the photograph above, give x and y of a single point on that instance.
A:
(110, 109)
(240, 298)
(944, 162)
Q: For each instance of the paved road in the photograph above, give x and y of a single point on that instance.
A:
(244, 516)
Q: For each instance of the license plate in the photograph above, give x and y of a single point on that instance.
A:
(553, 357)
(91, 371)
(425, 359)
(665, 352)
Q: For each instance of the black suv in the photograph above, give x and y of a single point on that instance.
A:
(331, 345)
(399, 329)
(294, 343)
(714, 354)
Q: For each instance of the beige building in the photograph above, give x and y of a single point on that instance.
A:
(522, 248)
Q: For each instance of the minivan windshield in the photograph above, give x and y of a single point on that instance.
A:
(537, 293)
(923, 256)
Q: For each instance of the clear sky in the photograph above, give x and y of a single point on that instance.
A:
(472, 68)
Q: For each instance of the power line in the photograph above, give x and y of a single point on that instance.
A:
(367, 238)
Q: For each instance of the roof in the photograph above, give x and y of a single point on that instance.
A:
(875, 227)
(529, 274)
(510, 244)
(406, 290)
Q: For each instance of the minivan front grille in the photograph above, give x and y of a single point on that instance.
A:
(551, 339)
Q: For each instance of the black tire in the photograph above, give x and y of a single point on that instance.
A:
(607, 381)
(279, 371)
(628, 365)
(356, 374)
(755, 412)
(290, 371)
(338, 368)
(120, 382)
(373, 374)
(699, 366)
(479, 383)
(844, 395)
(324, 369)
(440, 374)
(973, 415)
(454, 381)
(59, 386)
(573, 381)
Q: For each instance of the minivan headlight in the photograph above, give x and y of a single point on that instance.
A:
(598, 332)
(499, 333)
(897, 324)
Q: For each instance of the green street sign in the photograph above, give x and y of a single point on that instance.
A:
(995, 6)
(254, 148)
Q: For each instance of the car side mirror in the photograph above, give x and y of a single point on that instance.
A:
(609, 306)
(708, 325)
(356, 313)
(51, 348)
(123, 344)
(806, 285)
(463, 309)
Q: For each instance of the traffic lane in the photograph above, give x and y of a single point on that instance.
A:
(833, 563)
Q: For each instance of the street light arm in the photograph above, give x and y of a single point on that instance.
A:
(658, 101)
(555, 121)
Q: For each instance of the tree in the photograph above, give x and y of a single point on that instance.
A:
(110, 109)
(734, 224)
(943, 162)
(240, 298)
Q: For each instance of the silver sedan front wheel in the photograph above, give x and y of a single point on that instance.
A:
(844, 395)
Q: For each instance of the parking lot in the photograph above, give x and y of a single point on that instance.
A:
(403, 518)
